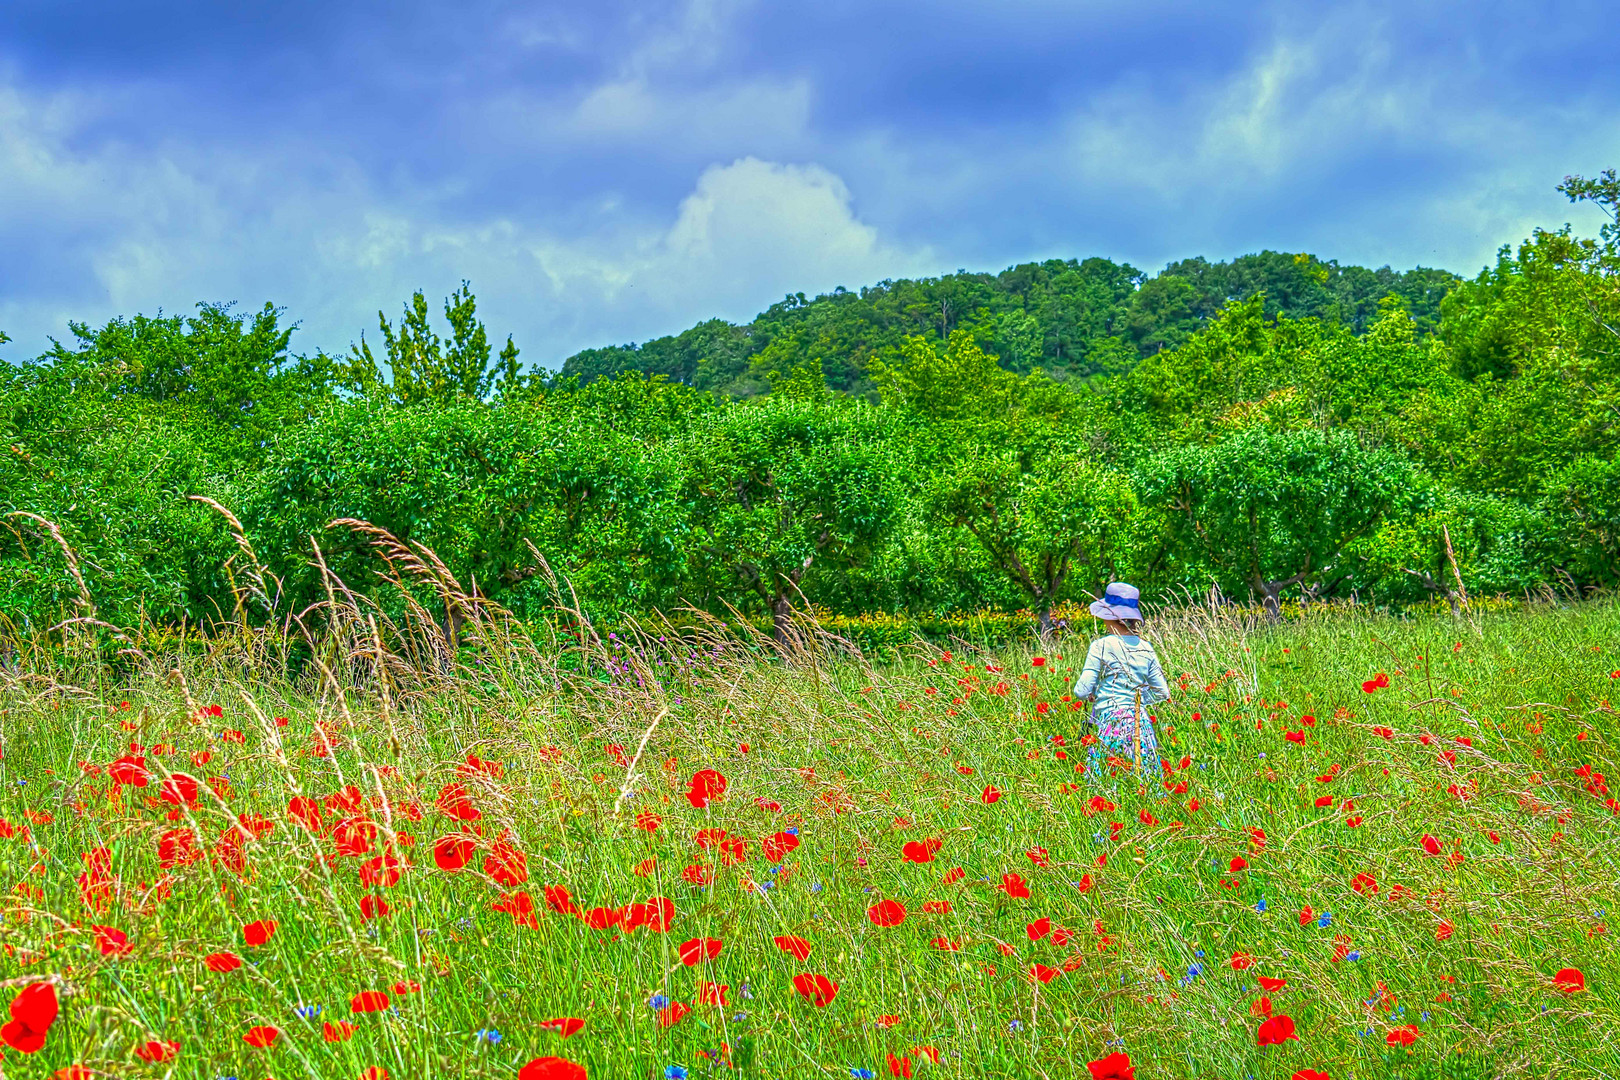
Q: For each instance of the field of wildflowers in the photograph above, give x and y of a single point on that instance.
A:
(1375, 848)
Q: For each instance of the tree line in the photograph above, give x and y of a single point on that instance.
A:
(1274, 427)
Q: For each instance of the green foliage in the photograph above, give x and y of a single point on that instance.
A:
(424, 368)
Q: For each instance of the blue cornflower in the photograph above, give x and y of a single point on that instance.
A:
(792, 830)
(1260, 905)
(1326, 919)
(489, 1035)
(674, 1072)
(861, 1074)
(658, 1001)
(1426, 1014)
(1199, 953)
(1356, 955)
(308, 1012)
(1016, 1025)
(815, 887)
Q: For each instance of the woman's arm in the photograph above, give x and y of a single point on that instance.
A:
(1086, 686)
(1156, 678)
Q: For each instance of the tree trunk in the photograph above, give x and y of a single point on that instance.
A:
(781, 619)
(1046, 622)
(1270, 598)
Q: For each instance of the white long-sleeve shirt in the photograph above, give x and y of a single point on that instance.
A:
(1116, 666)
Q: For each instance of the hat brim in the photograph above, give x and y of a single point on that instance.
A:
(1104, 610)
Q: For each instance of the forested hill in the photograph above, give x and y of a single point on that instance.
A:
(1071, 318)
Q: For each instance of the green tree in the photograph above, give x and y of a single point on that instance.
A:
(1263, 510)
(424, 367)
(778, 488)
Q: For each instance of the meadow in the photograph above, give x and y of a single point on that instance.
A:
(1376, 847)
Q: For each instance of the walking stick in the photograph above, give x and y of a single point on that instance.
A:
(1139, 730)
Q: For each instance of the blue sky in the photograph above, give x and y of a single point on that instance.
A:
(609, 171)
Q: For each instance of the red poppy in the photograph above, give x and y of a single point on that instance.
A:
(1310, 1074)
(796, 947)
(1013, 885)
(779, 845)
(604, 918)
(112, 942)
(372, 907)
(519, 905)
(369, 1001)
(1275, 1031)
(551, 1068)
(1038, 856)
(1272, 985)
(259, 932)
(507, 865)
(342, 1031)
(899, 1065)
(1365, 883)
(179, 790)
(382, 872)
(953, 876)
(451, 853)
(406, 987)
(1043, 974)
(306, 812)
(887, 913)
(33, 1011)
(1242, 961)
(455, 802)
(1324, 801)
(375, 1072)
(818, 988)
(697, 950)
(1431, 845)
(261, 1036)
(989, 795)
(155, 1052)
(706, 786)
(129, 770)
(1039, 928)
(563, 1026)
(1238, 863)
(647, 821)
(1116, 1066)
(178, 847)
(222, 962)
(673, 1013)
(1569, 980)
(1402, 1036)
(920, 851)
(714, 994)
(1084, 884)
(558, 900)
(1294, 736)
(255, 825)
(354, 835)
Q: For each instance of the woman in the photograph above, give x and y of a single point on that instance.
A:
(1122, 677)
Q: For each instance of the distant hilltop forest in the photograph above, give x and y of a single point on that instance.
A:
(1073, 319)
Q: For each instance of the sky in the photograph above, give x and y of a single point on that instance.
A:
(606, 171)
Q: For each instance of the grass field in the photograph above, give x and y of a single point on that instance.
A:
(664, 859)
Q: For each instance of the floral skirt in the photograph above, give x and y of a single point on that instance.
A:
(1116, 729)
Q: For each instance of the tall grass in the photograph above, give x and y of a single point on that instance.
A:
(568, 744)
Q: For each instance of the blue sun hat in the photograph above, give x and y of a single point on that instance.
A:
(1120, 601)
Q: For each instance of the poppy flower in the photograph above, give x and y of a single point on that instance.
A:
(1013, 885)
(779, 846)
(944, 944)
(1242, 961)
(507, 865)
(920, 851)
(368, 1001)
(129, 770)
(1569, 980)
(73, 1072)
(818, 988)
(899, 1065)
(887, 913)
(519, 905)
(551, 1068)
(406, 987)
(178, 847)
(1310, 1074)
(706, 786)
(259, 932)
(155, 1052)
(1238, 863)
(261, 1037)
(112, 942)
(1365, 883)
(33, 1011)
(179, 789)
(796, 947)
(937, 907)
(1431, 845)
(1039, 857)
(1275, 1031)
(603, 918)
(1402, 1036)
(375, 1072)
(1116, 1066)
(1039, 928)
(989, 795)
(451, 853)
(673, 1014)
(563, 1026)
(696, 950)
(454, 801)
(1043, 974)
(1084, 884)
(714, 994)
(381, 872)
(1271, 985)
(306, 812)
(222, 962)
(647, 821)
(342, 1031)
